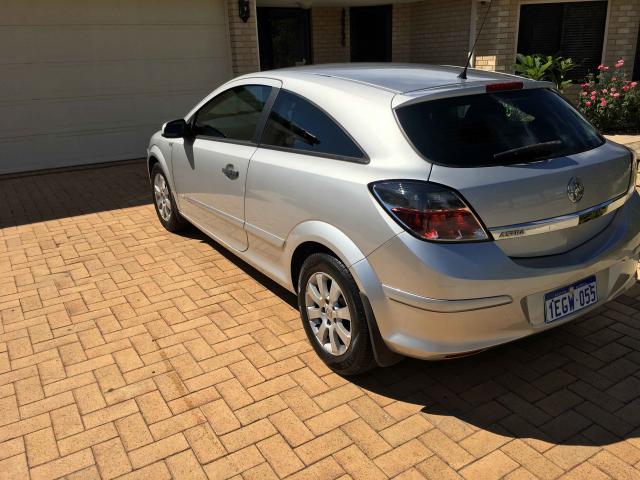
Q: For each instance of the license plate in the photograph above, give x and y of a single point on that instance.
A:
(570, 299)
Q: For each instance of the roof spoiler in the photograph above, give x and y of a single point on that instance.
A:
(466, 88)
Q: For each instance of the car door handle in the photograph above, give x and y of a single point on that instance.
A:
(230, 172)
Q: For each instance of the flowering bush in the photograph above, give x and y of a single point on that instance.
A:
(610, 100)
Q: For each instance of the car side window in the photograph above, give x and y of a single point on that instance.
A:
(234, 114)
(296, 123)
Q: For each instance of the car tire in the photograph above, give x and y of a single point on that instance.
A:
(344, 345)
(164, 202)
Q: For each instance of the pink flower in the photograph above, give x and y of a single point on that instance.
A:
(584, 94)
(600, 67)
(633, 84)
(625, 88)
(587, 103)
(603, 68)
(584, 85)
(613, 89)
(616, 95)
(594, 92)
(619, 63)
(593, 97)
(613, 79)
(603, 103)
(604, 90)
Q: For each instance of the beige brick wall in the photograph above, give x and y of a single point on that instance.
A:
(497, 44)
(622, 32)
(244, 39)
(440, 31)
(401, 32)
(326, 33)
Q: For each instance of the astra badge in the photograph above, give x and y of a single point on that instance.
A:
(575, 190)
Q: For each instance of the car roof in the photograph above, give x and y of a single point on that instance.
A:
(393, 77)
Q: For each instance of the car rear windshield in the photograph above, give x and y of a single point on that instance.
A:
(497, 128)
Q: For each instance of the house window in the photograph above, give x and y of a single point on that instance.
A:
(570, 29)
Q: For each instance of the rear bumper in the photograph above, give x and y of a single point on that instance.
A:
(432, 300)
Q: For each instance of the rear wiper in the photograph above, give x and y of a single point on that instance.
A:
(529, 152)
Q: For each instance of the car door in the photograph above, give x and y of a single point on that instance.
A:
(210, 167)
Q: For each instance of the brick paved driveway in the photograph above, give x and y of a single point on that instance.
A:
(128, 351)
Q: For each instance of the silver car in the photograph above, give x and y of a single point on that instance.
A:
(412, 212)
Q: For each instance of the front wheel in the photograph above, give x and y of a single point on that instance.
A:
(333, 315)
(165, 204)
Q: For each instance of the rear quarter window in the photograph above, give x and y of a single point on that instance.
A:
(469, 131)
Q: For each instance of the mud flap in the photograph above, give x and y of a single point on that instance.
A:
(383, 355)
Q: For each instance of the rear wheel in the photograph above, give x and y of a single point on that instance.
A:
(333, 315)
(165, 204)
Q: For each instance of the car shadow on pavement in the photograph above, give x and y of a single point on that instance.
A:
(57, 194)
(578, 384)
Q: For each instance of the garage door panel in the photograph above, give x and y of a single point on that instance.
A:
(78, 12)
(23, 82)
(110, 43)
(86, 82)
(74, 149)
(70, 116)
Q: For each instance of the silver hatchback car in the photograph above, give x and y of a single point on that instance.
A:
(412, 212)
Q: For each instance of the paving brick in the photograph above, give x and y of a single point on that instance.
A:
(358, 465)
(88, 438)
(153, 407)
(111, 458)
(66, 421)
(89, 398)
(41, 446)
(220, 417)
(158, 450)
(280, 456)
(494, 466)
(185, 465)
(403, 457)
(204, 443)
(447, 449)
(234, 464)
(14, 468)
(63, 465)
(322, 446)
(29, 390)
(133, 431)
(367, 439)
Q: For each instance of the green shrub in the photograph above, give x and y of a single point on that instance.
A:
(610, 100)
(545, 67)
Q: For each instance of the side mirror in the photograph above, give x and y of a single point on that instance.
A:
(176, 129)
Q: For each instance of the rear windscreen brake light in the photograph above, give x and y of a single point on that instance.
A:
(496, 87)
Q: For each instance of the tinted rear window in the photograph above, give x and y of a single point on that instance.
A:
(467, 131)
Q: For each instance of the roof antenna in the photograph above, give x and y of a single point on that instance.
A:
(463, 73)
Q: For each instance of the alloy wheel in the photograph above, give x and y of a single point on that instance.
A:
(161, 193)
(328, 313)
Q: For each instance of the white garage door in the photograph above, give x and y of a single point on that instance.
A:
(89, 81)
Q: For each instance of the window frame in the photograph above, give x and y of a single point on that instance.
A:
(534, 2)
(259, 125)
(363, 159)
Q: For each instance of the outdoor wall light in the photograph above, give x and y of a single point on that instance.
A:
(243, 10)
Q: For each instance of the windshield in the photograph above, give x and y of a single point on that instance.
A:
(486, 129)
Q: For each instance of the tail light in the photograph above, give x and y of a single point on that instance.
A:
(429, 211)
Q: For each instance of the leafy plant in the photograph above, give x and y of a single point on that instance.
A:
(545, 67)
(610, 100)
(533, 66)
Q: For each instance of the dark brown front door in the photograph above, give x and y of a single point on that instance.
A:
(284, 36)
(370, 31)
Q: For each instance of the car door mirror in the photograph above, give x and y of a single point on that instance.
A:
(176, 129)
